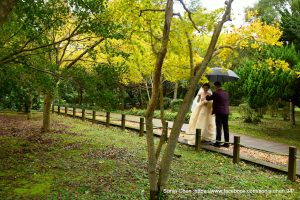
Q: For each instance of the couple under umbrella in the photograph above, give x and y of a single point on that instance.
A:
(210, 110)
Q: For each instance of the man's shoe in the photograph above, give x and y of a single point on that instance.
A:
(216, 144)
(226, 145)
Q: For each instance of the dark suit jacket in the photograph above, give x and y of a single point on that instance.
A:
(220, 104)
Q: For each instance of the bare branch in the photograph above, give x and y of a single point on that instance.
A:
(189, 14)
(218, 49)
(154, 10)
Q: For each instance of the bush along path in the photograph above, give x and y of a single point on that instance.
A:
(267, 151)
(80, 160)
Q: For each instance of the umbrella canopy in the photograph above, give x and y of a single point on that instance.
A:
(218, 76)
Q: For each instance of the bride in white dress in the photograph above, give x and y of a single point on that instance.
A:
(201, 117)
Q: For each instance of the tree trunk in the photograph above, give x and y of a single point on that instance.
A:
(173, 139)
(80, 97)
(147, 90)
(5, 8)
(122, 98)
(46, 112)
(153, 101)
(29, 115)
(292, 113)
(163, 122)
(187, 101)
(175, 90)
(141, 97)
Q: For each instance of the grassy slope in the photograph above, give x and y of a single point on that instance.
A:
(83, 161)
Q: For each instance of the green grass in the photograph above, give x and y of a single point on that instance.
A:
(270, 128)
(85, 161)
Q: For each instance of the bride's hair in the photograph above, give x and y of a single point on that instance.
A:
(206, 84)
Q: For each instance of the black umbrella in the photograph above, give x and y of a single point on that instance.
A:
(218, 76)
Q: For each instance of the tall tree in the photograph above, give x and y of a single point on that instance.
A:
(67, 32)
(269, 10)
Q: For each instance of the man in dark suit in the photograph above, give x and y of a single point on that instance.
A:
(221, 110)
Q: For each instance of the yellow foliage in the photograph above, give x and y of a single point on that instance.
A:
(274, 65)
(143, 31)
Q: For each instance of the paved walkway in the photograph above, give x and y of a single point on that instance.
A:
(266, 145)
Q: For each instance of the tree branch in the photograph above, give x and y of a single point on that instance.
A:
(154, 46)
(83, 53)
(91, 11)
(70, 60)
(190, 15)
(190, 46)
(35, 48)
(63, 54)
(200, 68)
(154, 10)
(40, 69)
(14, 34)
(218, 49)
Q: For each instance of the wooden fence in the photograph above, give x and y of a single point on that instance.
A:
(236, 148)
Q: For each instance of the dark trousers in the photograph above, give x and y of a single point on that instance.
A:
(222, 120)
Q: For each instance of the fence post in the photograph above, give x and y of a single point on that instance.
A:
(83, 114)
(66, 111)
(52, 108)
(142, 127)
(123, 122)
(107, 119)
(94, 117)
(166, 131)
(292, 163)
(236, 149)
(74, 112)
(58, 110)
(198, 140)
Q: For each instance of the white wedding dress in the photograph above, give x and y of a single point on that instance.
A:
(201, 118)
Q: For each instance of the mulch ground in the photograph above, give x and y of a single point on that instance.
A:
(14, 126)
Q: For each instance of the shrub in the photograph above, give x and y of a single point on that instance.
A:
(285, 110)
(167, 102)
(251, 115)
(175, 104)
(235, 102)
(169, 116)
(281, 108)
(246, 112)
(260, 112)
(131, 101)
(273, 109)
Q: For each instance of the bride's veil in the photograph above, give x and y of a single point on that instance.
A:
(195, 104)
